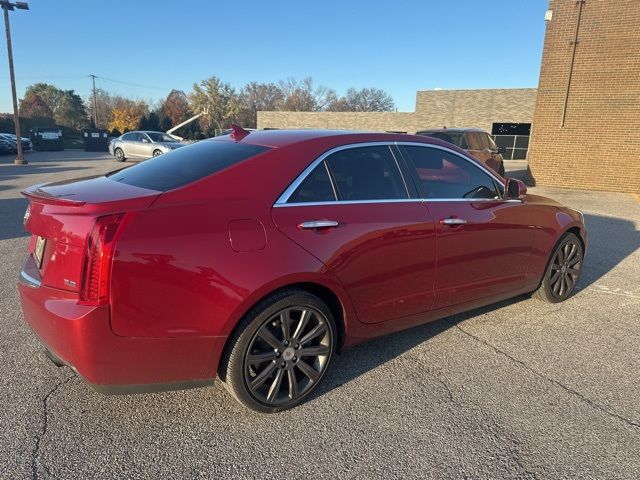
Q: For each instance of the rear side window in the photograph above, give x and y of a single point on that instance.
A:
(185, 165)
(444, 175)
(366, 173)
(316, 187)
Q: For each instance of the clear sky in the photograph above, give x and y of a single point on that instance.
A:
(400, 46)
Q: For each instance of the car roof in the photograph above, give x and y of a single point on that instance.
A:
(283, 138)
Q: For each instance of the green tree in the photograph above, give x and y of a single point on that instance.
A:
(176, 107)
(64, 106)
(219, 100)
(32, 105)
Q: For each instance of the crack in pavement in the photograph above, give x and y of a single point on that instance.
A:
(45, 423)
(567, 389)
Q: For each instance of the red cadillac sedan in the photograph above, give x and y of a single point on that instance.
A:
(255, 257)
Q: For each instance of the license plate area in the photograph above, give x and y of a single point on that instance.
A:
(38, 251)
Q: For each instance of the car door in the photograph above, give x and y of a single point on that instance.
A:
(483, 240)
(355, 211)
(146, 145)
(130, 144)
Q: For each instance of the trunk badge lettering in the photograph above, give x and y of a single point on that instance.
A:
(70, 283)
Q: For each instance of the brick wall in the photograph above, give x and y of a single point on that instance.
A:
(453, 108)
(475, 108)
(599, 145)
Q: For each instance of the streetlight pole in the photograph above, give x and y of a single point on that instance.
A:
(6, 6)
(95, 102)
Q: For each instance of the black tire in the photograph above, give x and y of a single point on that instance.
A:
(501, 170)
(563, 270)
(268, 372)
(156, 153)
(119, 154)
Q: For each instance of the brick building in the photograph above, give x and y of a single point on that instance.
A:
(484, 108)
(586, 126)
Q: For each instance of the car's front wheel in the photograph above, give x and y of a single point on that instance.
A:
(563, 270)
(119, 154)
(280, 351)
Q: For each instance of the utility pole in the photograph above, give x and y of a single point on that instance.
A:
(6, 6)
(95, 102)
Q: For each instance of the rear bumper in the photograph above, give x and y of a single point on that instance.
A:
(81, 337)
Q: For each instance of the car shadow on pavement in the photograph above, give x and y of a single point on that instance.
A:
(12, 215)
(360, 359)
(610, 240)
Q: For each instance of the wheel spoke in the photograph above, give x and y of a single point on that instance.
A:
(319, 351)
(554, 278)
(562, 286)
(262, 376)
(268, 337)
(570, 282)
(315, 332)
(555, 268)
(560, 257)
(556, 286)
(285, 322)
(574, 260)
(308, 370)
(275, 386)
(260, 357)
(302, 324)
(293, 383)
(572, 251)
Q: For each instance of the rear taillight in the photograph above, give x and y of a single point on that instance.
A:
(97, 261)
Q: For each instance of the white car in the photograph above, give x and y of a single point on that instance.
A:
(142, 144)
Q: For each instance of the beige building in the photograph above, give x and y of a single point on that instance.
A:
(434, 109)
(586, 126)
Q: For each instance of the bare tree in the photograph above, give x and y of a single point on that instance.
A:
(302, 96)
(363, 100)
(255, 97)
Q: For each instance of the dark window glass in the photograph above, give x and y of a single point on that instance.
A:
(185, 165)
(446, 175)
(366, 173)
(128, 136)
(316, 187)
(459, 139)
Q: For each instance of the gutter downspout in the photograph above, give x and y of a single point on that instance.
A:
(573, 58)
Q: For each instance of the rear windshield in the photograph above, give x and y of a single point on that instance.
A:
(457, 138)
(185, 165)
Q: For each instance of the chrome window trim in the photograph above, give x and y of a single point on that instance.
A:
(282, 199)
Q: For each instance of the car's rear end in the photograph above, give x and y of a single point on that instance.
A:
(65, 288)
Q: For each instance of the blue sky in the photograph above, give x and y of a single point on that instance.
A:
(400, 46)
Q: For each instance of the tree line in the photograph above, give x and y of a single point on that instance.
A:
(222, 103)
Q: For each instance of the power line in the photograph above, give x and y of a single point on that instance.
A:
(139, 85)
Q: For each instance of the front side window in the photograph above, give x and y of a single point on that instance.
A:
(366, 173)
(160, 137)
(128, 137)
(445, 175)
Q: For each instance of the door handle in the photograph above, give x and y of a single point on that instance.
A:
(453, 221)
(316, 224)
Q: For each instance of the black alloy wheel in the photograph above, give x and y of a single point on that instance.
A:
(283, 352)
(563, 271)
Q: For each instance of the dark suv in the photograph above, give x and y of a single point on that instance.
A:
(475, 141)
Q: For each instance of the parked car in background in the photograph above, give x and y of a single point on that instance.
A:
(255, 257)
(142, 144)
(26, 142)
(475, 141)
(7, 146)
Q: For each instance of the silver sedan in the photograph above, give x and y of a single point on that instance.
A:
(142, 145)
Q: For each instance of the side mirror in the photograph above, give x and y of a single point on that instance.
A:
(502, 150)
(145, 140)
(515, 189)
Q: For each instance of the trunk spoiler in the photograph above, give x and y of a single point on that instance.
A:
(35, 194)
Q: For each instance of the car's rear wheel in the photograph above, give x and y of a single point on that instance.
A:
(157, 152)
(563, 270)
(119, 154)
(280, 351)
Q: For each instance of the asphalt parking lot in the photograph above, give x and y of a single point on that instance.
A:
(521, 389)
